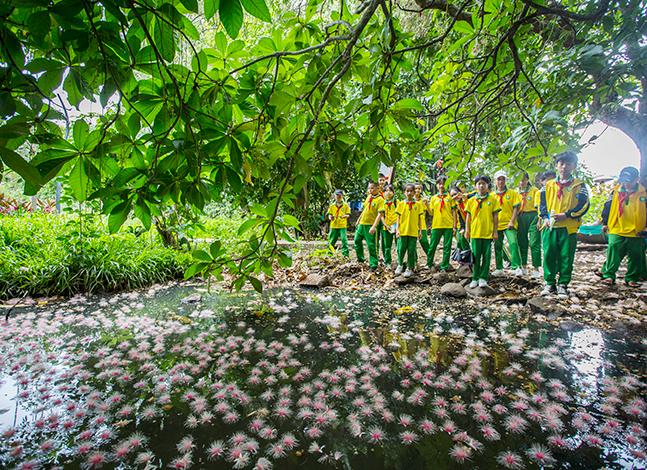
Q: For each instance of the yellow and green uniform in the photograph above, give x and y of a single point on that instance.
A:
(424, 238)
(372, 206)
(625, 214)
(528, 235)
(508, 200)
(410, 214)
(338, 226)
(560, 241)
(481, 210)
(388, 229)
(442, 227)
(461, 214)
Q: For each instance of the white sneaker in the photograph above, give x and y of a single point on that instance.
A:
(518, 272)
(483, 283)
(398, 270)
(535, 273)
(524, 271)
(497, 272)
(473, 284)
(562, 292)
(506, 264)
(548, 290)
(408, 273)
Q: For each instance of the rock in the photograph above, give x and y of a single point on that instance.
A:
(192, 299)
(421, 279)
(453, 289)
(315, 280)
(544, 306)
(347, 269)
(465, 282)
(403, 281)
(480, 291)
(464, 272)
(441, 277)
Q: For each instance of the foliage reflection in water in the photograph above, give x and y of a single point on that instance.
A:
(298, 379)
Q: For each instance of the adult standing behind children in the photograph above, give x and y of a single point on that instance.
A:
(624, 218)
(482, 220)
(563, 202)
(527, 234)
(366, 225)
(338, 214)
(509, 202)
(443, 224)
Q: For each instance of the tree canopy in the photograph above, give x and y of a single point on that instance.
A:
(202, 99)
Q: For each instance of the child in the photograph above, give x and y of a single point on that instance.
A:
(563, 202)
(338, 214)
(624, 217)
(424, 240)
(390, 220)
(443, 224)
(482, 220)
(368, 220)
(460, 205)
(509, 201)
(410, 212)
(528, 234)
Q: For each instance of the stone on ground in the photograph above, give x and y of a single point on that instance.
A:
(315, 280)
(453, 289)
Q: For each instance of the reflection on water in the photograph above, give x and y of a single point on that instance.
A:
(296, 379)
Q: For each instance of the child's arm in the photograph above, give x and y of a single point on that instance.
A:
(468, 219)
(495, 232)
(513, 219)
(420, 216)
(397, 227)
(377, 221)
(455, 217)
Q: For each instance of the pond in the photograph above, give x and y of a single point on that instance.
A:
(175, 377)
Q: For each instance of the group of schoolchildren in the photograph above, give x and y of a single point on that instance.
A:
(529, 218)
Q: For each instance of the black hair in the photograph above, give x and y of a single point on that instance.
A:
(389, 187)
(442, 178)
(485, 178)
(381, 175)
(525, 175)
(548, 174)
(455, 187)
(409, 185)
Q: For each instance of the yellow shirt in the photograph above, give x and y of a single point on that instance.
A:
(390, 215)
(529, 199)
(482, 215)
(508, 201)
(634, 213)
(423, 220)
(372, 205)
(567, 202)
(410, 216)
(442, 213)
(538, 200)
(338, 213)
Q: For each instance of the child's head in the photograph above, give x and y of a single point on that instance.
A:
(629, 177)
(482, 183)
(381, 179)
(566, 163)
(525, 178)
(373, 188)
(409, 191)
(456, 193)
(440, 184)
(339, 195)
(418, 187)
(500, 179)
(547, 176)
(389, 192)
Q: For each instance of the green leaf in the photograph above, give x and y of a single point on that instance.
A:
(118, 216)
(231, 16)
(210, 8)
(290, 220)
(80, 132)
(247, 225)
(19, 165)
(257, 8)
(215, 249)
(7, 104)
(39, 25)
(407, 104)
(164, 40)
(79, 180)
(202, 255)
(256, 284)
(143, 213)
(191, 5)
(193, 270)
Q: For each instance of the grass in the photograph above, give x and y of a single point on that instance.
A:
(46, 254)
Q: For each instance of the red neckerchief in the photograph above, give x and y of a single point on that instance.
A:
(389, 203)
(561, 187)
(338, 209)
(461, 206)
(523, 201)
(501, 195)
(623, 196)
(442, 202)
(479, 201)
(370, 201)
(410, 204)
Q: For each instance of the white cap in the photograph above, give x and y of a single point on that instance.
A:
(499, 174)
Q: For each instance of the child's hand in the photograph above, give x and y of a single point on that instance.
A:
(371, 230)
(510, 226)
(330, 217)
(419, 234)
(605, 229)
(559, 217)
(397, 233)
(495, 235)
(467, 234)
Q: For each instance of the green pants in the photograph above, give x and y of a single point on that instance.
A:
(528, 237)
(515, 257)
(334, 235)
(361, 234)
(387, 247)
(437, 234)
(482, 251)
(559, 255)
(408, 246)
(461, 242)
(618, 248)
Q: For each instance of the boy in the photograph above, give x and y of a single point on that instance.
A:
(509, 202)
(528, 235)
(460, 205)
(481, 227)
(338, 214)
(424, 240)
(563, 202)
(368, 220)
(390, 219)
(410, 213)
(624, 217)
(443, 224)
